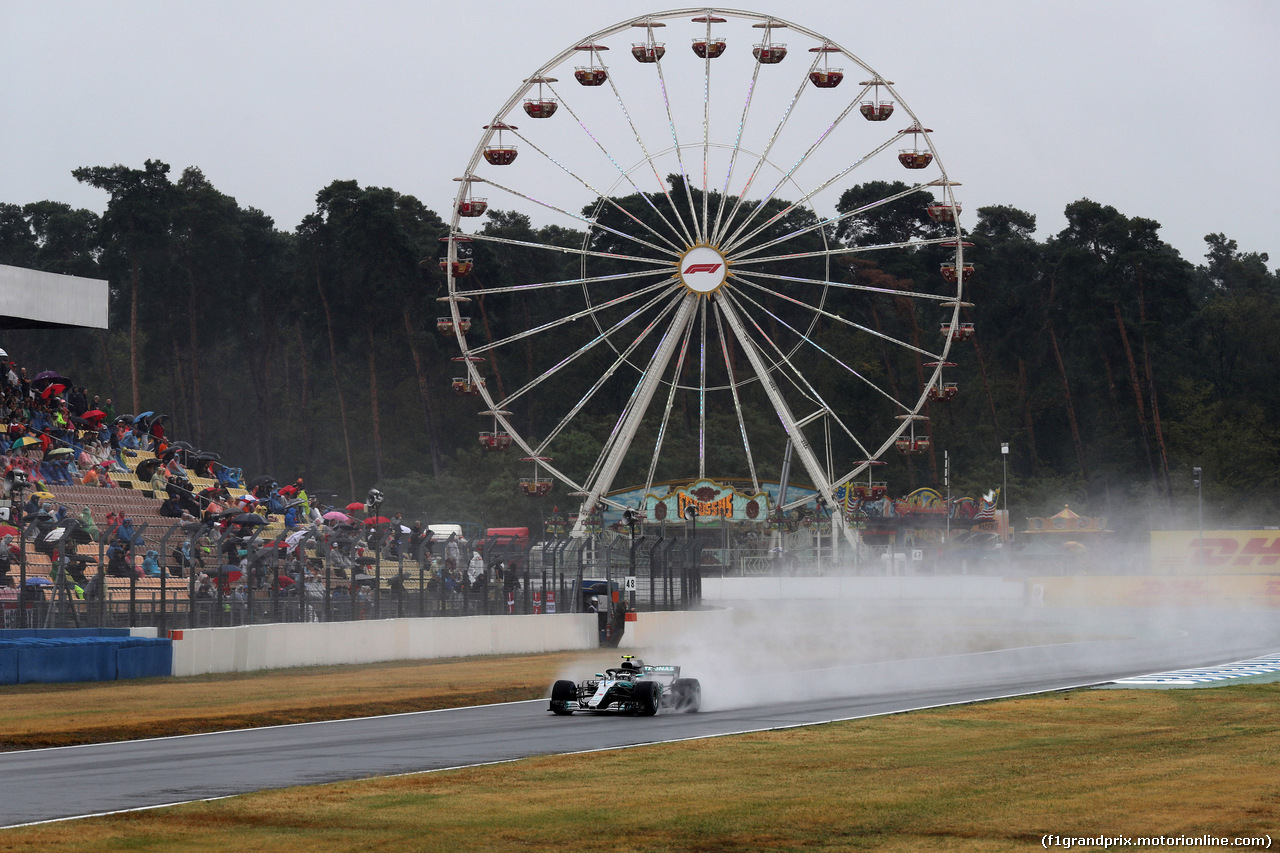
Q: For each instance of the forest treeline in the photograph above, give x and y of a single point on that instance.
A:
(1109, 363)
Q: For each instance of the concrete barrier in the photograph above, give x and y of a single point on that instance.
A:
(652, 629)
(874, 588)
(253, 647)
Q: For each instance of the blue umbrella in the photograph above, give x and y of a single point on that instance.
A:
(143, 416)
(39, 582)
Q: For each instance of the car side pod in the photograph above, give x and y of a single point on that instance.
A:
(564, 696)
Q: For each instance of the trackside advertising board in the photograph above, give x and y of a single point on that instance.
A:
(1218, 552)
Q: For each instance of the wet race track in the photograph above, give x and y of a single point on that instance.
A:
(67, 782)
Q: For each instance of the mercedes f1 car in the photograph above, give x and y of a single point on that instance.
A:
(633, 688)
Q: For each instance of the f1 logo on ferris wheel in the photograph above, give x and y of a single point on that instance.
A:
(703, 269)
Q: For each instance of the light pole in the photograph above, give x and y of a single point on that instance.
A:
(631, 518)
(1197, 479)
(1004, 489)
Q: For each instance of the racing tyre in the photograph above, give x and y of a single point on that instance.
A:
(647, 695)
(686, 695)
(564, 695)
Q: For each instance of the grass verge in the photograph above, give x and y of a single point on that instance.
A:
(994, 776)
(40, 715)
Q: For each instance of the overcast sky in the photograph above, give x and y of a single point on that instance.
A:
(1167, 110)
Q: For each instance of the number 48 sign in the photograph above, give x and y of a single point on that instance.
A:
(629, 584)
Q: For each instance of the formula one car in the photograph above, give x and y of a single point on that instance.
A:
(633, 688)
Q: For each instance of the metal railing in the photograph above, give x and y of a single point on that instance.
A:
(324, 575)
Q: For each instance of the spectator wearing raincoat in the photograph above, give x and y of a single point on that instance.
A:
(151, 564)
(87, 525)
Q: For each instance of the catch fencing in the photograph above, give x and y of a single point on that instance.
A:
(237, 579)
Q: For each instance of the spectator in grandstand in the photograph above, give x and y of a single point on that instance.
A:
(475, 568)
(451, 553)
(170, 508)
(301, 497)
(87, 525)
(159, 480)
(78, 401)
(126, 536)
(151, 564)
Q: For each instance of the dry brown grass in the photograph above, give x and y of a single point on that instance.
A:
(994, 776)
(38, 715)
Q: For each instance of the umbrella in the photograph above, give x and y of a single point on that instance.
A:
(295, 537)
(208, 456)
(355, 506)
(49, 377)
(52, 388)
(143, 416)
(8, 530)
(334, 515)
(3, 354)
(94, 415)
(44, 496)
(261, 481)
(147, 469)
(377, 519)
(39, 582)
(59, 453)
(25, 441)
(248, 518)
(366, 580)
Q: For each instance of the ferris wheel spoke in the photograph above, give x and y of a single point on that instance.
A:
(737, 404)
(625, 175)
(578, 315)
(585, 220)
(827, 223)
(702, 393)
(798, 439)
(620, 360)
(806, 388)
(672, 387)
(866, 288)
(817, 143)
(666, 190)
(675, 139)
(664, 270)
(602, 196)
(764, 155)
(737, 146)
(735, 240)
(706, 125)
(823, 313)
(606, 467)
(785, 359)
(844, 250)
(567, 250)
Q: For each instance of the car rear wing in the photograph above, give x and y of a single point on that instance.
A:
(666, 671)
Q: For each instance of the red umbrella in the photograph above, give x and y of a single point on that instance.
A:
(377, 519)
(55, 388)
(94, 414)
(7, 530)
(355, 506)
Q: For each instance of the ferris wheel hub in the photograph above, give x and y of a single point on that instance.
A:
(703, 269)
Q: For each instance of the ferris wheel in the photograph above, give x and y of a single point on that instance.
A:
(677, 253)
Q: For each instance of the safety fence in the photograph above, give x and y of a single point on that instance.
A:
(210, 578)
